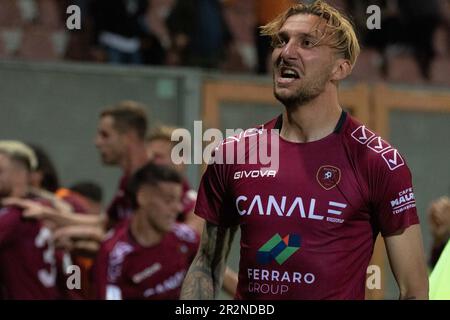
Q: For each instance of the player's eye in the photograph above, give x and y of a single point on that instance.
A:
(278, 42)
(307, 43)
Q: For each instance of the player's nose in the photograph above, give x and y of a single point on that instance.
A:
(289, 51)
(97, 141)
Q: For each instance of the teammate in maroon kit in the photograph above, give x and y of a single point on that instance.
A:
(159, 146)
(148, 256)
(308, 225)
(28, 264)
(121, 142)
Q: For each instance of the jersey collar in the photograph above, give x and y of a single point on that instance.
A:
(337, 129)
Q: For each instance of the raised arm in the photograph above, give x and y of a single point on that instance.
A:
(407, 259)
(204, 278)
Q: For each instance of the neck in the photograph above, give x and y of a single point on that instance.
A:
(135, 158)
(144, 233)
(313, 120)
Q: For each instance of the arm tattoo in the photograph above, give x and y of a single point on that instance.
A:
(204, 278)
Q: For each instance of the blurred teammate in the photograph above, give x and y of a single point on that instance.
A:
(148, 256)
(308, 225)
(120, 141)
(86, 196)
(159, 149)
(44, 180)
(28, 264)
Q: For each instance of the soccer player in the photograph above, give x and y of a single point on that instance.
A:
(159, 146)
(159, 149)
(308, 225)
(28, 263)
(120, 140)
(149, 254)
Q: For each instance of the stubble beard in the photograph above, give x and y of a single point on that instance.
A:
(308, 91)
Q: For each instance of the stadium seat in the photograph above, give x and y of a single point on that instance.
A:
(10, 39)
(50, 14)
(39, 43)
(29, 10)
(10, 14)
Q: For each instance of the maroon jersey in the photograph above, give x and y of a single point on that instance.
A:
(126, 270)
(308, 226)
(120, 207)
(28, 264)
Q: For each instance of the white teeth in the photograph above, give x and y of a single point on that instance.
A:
(289, 73)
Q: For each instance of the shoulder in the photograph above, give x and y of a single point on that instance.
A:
(240, 142)
(184, 233)
(116, 239)
(369, 150)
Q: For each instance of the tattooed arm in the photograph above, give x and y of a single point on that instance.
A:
(204, 278)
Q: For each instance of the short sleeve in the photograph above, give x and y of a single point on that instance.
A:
(10, 219)
(213, 201)
(392, 193)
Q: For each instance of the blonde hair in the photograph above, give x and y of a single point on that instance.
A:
(161, 133)
(339, 32)
(20, 152)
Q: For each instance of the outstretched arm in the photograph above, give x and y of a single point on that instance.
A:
(35, 210)
(204, 278)
(407, 259)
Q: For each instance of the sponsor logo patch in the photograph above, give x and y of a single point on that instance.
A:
(404, 201)
(278, 249)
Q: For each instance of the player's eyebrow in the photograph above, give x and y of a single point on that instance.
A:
(283, 34)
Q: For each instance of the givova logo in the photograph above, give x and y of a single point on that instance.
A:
(278, 249)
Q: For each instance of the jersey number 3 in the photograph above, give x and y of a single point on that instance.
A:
(43, 239)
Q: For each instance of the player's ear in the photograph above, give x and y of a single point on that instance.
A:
(342, 68)
(140, 197)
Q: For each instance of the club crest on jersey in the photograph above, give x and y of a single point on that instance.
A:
(328, 177)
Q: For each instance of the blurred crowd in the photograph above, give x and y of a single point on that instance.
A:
(412, 45)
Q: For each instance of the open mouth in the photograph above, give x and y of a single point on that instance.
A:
(288, 75)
